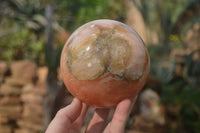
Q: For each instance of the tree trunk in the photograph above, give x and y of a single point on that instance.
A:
(49, 100)
(52, 85)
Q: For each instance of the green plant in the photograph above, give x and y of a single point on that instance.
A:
(21, 44)
(167, 18)
(179, 95)
(72, 14)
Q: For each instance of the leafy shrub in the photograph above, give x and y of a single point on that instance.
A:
(21, 44)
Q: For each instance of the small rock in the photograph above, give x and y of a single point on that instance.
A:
(18, 82)
(10, 100)
(7, 90)
(24, 130)
(150, 108)
(5, 129)
(10, 109)
(3, 68)
(32, 98)
(32, 109)
(30, 125)
(24, 70)
(42, 74)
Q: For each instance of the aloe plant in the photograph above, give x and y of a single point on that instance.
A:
(164, 17)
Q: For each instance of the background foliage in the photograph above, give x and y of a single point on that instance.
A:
(26, 18)
(23, 36)
(78, 12)
(171, 20)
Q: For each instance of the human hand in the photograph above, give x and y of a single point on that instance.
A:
(70, 118)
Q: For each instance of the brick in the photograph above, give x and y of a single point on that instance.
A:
(8, 100)
(32, 98)
(30, 125)
(7, 90)
(24, 130)
(32, 109)
(15, 82)
(3, 68)
(24, 70)
(5, 129)
(10, 109)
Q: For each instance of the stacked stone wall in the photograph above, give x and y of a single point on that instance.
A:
(22, 88)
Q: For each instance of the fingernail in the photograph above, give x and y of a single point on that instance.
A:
(134, 99)
(75, 100)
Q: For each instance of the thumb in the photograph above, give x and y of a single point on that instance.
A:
(65, 117)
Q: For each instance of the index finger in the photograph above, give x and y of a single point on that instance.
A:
(118, 123)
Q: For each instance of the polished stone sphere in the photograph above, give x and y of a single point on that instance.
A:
(104, 62)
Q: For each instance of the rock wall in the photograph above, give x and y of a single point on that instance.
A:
(21, 94)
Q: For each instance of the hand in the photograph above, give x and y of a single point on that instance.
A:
(70, 118)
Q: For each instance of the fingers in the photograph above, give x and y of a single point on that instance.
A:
(79, 121)
(118, 123)
(72, 116)
(65, 117)
(98, 121)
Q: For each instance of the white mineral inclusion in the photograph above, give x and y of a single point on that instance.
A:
(93, 34)
(89, 64)
(92, 26)
(88, 48)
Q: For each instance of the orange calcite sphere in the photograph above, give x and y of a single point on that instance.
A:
(104, 62)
